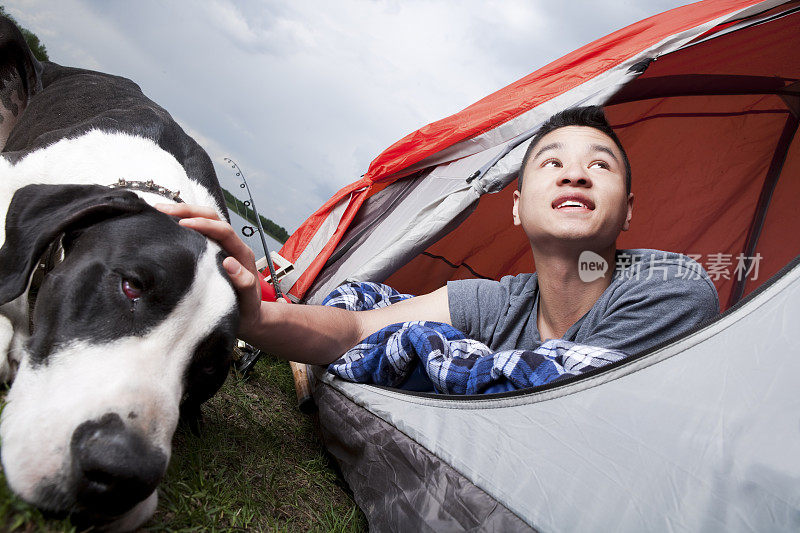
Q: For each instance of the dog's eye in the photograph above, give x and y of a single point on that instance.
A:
(132, 289)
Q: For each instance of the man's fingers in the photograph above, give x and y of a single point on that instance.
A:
(188, 210)
(224, 234)
(248, 287)
(241, 277)
(206, 221)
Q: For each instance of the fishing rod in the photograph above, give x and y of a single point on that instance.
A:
(251, 356)
(252, 204)
(305, 401)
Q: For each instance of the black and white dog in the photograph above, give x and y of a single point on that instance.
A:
(134, 323)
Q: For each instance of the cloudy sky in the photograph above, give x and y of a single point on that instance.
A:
(304, 94)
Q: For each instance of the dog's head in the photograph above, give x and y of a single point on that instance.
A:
(136, 322)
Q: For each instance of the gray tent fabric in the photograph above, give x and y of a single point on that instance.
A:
(398, 484)
(700, 435)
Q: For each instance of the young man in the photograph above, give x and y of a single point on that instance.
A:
(573, 200)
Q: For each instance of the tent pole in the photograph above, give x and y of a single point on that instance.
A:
(770, 182)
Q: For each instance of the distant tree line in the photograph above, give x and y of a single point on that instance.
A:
(272, 229)
(39, 50)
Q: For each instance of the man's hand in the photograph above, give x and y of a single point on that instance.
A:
(306, 333)
(240, 265)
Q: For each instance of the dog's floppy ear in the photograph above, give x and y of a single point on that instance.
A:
(39, 213)
(20, 76)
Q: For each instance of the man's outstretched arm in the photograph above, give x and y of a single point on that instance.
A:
(304, 333)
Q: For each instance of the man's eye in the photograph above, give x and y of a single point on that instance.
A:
(600, 164)
(552, 163)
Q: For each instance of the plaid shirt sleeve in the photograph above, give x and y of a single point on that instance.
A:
(453, 363)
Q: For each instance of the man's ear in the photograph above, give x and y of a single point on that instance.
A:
(626, 226)
(38, 214)
(20, 77)
(515, 209)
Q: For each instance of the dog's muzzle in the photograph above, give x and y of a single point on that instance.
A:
(114, 467)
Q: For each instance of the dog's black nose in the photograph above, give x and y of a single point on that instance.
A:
(115, 467)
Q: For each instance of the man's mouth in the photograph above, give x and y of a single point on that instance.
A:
(571, 203)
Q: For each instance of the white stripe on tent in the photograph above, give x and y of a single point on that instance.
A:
(700, 435)
(429, 207)
(317, 243)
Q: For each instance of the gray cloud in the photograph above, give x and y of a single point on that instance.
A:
(303, 95)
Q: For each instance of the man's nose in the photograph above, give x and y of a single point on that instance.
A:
(575, 176)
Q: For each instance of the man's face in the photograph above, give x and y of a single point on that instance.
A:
(573, 191)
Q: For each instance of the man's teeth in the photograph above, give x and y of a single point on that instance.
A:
(570, 203)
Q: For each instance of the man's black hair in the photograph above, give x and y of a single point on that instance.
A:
(589, 116)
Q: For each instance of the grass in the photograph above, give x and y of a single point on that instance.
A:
(257, 466)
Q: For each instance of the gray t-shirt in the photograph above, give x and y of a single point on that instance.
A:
(652, 297)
